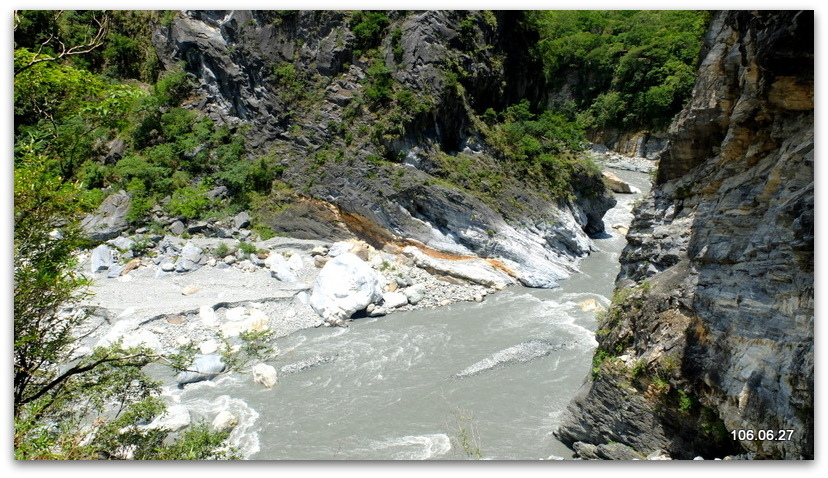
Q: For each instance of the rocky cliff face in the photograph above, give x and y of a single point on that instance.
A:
(712, 327)
(300, 84)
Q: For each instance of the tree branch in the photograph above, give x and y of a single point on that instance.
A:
(92, 43)
(75, 370)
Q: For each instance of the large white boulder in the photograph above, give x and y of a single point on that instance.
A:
(618, 185)
(344, 286)
(265, 374)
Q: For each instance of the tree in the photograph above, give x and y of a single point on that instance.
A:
(59, 393)
(70, 403)
(53, 49)
(635, 68)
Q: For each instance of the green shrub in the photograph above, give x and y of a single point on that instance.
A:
(367, 28)
(221, 250)
(599, 358)
(396, 44)
(380, 86)
(172, 87)
(189, 202)
(638, 368)
(686, 401)
(247, 248)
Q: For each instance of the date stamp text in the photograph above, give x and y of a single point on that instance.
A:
(763, 435)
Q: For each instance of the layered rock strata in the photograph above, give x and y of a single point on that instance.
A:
(709, 347)
(300, 114)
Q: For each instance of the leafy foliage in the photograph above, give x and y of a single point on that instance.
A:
(127, 52)
(43, 274)
(380, 87)
(635, 68)
(189, 202)
(368, 27)
(70, 403)
(543, 145)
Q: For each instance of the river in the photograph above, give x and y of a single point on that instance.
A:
(487, 380)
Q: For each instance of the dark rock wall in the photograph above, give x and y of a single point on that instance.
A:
(716, 331)
(457, 62)
(232, 53)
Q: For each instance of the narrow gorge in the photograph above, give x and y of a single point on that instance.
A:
(372, 235)
(712, 327)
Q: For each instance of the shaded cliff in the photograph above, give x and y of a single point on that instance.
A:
(711, 329)
(377, 115)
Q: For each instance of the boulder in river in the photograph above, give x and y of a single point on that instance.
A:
(225, 421)
(264, 374)
(204, 367)
(618, 185)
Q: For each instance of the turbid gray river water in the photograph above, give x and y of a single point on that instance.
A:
(496, 375)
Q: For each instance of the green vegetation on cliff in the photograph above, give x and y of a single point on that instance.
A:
(96, 112)
(71, 106)
(634, 69)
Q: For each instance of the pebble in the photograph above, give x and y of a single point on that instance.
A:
(190, 289)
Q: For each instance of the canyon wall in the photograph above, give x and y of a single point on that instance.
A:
(711, 329)
(300, 85)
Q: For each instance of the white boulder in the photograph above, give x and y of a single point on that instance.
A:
(177, 417)
(204, 367)
(280, 269)
(392, 300)
(225, 422)
(264, 374)
(346, 285)
(415, 293)
(339, 248)
(207, 315)
(101, 258)
(295, 262)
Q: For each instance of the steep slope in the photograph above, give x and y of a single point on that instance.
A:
(712, 326)
(375, 121)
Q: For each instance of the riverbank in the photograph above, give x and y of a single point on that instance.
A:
(160, 300)
(170, 291)
(168, 303)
